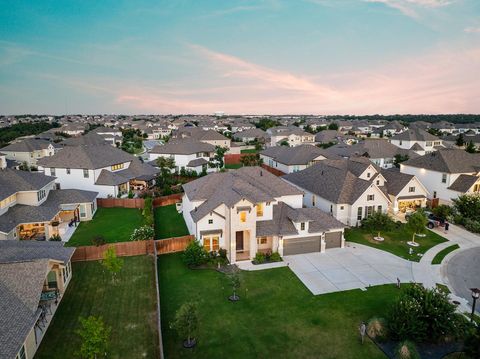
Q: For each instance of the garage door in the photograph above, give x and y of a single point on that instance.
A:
(301, 245)
(333, 240)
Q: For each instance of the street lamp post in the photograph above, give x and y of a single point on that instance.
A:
(475, 296)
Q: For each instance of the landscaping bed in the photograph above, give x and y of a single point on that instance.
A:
(169, 223)
(395, 241)
(113, 224)
(276, 317)
(128, 307)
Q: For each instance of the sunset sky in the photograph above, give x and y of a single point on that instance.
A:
(240, 57)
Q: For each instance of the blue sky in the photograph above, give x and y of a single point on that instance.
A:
(276, 56)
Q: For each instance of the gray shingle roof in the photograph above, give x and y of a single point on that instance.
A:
(89, 139)
(252, 183)
(183, 147)
(20, 251)
(197, 162)
(415, 134)
(13, 181)
(27, 145)
(396, 180)
(20, 213)
(448, 161)
(86, 157)
(299, 155)
(463, 183)
(370, 148)
(253, 132)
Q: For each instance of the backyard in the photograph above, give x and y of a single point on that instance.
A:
(233, 166)
(277, 317)
(128, 307)
(395, 241)
(169, 223)
(113, 224)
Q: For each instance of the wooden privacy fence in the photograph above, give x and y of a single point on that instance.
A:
(167, 200)
(123, 249)
(232, 159)
(121, 202)
(172, 245)
(272, 170)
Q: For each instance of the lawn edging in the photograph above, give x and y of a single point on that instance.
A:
(443, 253)
(159, 319)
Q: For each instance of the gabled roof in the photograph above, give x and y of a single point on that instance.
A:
(13, 181)
(299, 155)
(463, 183)
(416, 147)
(447, 161)
(415, 134)
(253, 132)
(251, 183)
(88, 139)
(202, 135)
(395, 180)
(27, 145)
(136, 170)
(183, 147)
(86, 157)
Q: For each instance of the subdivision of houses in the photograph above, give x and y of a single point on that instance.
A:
(291, 135)
(293, 159)
(186, 153)
(417, 140)
(446, 174)
(101, 168)
(348, 189)
(29, 150)
(32, 208)
(250, 135)
(250, 210)
(33, 279)
(209, 136)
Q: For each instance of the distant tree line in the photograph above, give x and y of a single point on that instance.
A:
(453, 118)
(8, 134)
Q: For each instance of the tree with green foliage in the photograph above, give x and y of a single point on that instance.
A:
(443, 211)
(460, 141)
(416, 223)
(234, 278)
(333, 126)
(186, 323)
(472, 343)
(194, 255)
(218, 157)
(252, 159)
(398, 158)
(9, 133)
(111, 262)
(143, 233)
(94, 335)
(266, 123)
(147, 211)
(378, 221)
(284, 143)
(471, 147)
(468, 205)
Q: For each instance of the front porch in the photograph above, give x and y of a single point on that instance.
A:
(247, 247)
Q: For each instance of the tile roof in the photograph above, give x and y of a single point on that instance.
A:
(448, 161)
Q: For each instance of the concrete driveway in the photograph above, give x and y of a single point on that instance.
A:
(353, 267)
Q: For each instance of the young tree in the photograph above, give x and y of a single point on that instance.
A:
(234, 278)
(186, 323)
(378, 221)
(333, 126)
(218, 157)
(111, 262)
(417, 223)
(470, 147)
(284, 143)
(399, 159)
(460, 142)
(94, 335)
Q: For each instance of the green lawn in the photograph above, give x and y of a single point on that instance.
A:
(443, 253)
(252, 150)
(128, 307)
(396, 241)
(114, 224)
(169, 223)
(277, 317)
(233, 166)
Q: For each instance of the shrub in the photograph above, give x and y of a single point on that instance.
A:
(275, 257)
(406, 350)
(468, 205)
(195, 254)
(98, 240)
(147, 211)
(378, 221)
(130, 194)
(443, 211)
(259, 258)
(222, 253)
(55, 238)
(142, 234)
(472, 225)
(377, 329)
(458, 219)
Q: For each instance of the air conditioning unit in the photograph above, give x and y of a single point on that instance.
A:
(178, 206)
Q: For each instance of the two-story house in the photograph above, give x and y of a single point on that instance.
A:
(248, 136)
(292, 135)
(349, 190)
(101, 168)
(31, 207)
(29, 150)
(207, 136)
(187, 154)
(446, 174)
(250, 210)
(417, 140)
(33, 279)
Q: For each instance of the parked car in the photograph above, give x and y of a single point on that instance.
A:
(433, 221)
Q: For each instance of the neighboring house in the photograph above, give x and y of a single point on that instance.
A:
(33, 279)
(29, 150)
(187, 154)
(240, 126)
(380, 152)
(328, 136)
(393, 128)
(293, 135)
(249, 210)
(31, 207)
(417, 140)
(89, 139)
(293, 159)
(349, 190)
(102, 168)
(158, 132)
(247, 136)
(406, 192)
(446, 174)
(210, 136)
(73, 129)
(111, 135)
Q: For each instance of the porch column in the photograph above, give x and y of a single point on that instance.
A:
(280, 245)
(76, 216)
(253, 243)
(323, 245)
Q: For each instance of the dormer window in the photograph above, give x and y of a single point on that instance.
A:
(41, 195)
(117, 166)
(259, 208)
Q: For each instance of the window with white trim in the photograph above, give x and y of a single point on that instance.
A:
(411, 189)
(370, 197)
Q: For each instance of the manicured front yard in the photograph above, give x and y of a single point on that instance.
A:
(277, 317)
(443, 253)
(169, 223)
(128, 307)
(396, 241)
(114, 224)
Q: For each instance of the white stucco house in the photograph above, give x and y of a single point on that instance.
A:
(446, 174)
(250, 210)
(349, 190)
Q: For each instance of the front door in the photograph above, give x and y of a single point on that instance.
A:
(239, 240)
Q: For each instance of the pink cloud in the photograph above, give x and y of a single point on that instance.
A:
(409, 7)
